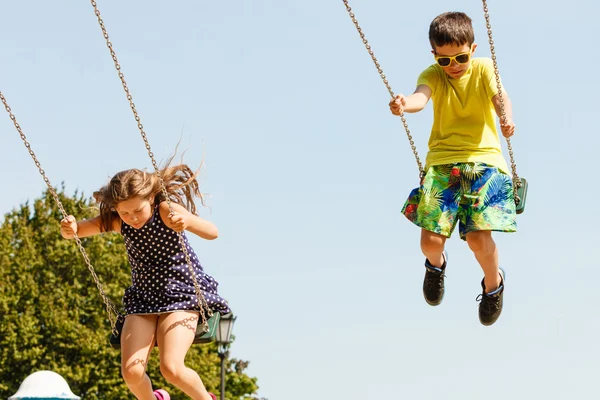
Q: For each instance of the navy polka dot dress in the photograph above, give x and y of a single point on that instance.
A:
(160, 276)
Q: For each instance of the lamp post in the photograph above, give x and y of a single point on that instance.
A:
(223, 341)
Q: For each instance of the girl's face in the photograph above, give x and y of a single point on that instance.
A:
(135, 212)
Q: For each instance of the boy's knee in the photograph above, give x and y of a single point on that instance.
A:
(432, 242)
(480, 241)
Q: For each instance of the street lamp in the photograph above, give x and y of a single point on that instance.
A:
(223, 341)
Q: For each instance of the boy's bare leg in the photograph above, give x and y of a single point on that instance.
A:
(432, 246)
(485, 251)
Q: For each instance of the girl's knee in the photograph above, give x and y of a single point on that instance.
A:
(133, 373)
(171, 371)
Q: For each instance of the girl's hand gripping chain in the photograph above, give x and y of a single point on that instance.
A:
(68, 227)
(178, 221)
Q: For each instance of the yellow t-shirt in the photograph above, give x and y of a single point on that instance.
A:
(464, 119)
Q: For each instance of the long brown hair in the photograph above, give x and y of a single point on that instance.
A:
(180, 181)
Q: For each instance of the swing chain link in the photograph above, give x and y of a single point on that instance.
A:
(516, 180)
(110, 307)
(202, 303)
(387, 85)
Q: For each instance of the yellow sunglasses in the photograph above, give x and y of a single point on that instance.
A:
(461, 58)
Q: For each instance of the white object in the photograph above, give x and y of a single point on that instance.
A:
(44, 385)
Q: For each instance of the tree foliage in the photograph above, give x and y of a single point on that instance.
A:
(53, 317)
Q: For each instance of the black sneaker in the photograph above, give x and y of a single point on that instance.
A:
(490, 306)
(433, 284)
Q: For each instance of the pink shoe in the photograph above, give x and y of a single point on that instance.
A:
(162, 394)
(212, 396)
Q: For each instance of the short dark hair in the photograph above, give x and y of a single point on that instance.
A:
(451, 28)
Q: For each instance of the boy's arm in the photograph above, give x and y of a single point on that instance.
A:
(507, 127)
(413, 103)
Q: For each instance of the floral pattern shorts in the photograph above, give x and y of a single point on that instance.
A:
(476, 194)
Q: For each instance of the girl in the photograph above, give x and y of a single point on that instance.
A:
(161, 304)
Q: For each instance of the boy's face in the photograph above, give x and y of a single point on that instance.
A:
(454, 69)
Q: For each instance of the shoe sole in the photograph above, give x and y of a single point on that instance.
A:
(433, 304)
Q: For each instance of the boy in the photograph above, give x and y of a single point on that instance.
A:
(466, 174)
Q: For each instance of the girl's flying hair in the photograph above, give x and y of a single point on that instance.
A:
(180, 181)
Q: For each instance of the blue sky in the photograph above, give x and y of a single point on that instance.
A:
(308, 170)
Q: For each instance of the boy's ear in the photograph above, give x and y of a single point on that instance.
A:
(473, 47)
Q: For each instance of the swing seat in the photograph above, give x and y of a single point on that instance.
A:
(200, 338)
(210, 335)
(522, 193)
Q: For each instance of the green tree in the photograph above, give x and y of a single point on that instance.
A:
(52, 315)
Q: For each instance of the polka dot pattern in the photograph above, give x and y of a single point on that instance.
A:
(160, 278)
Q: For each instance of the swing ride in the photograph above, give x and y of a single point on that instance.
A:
(208, 320)
(519, 183)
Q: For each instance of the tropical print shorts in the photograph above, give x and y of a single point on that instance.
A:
(476, 194)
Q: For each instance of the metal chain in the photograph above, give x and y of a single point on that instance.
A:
(516, 180)
(110, 307)
(202, 304)
(387, 85)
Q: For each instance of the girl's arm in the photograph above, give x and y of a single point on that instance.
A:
(182, 220)
(88, 227)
